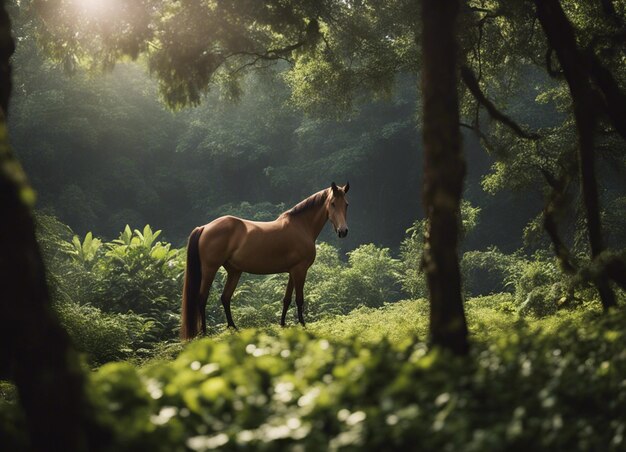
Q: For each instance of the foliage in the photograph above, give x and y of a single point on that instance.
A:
(412, 249)
(138, 274)
(263, 150)
(397, 322)
(102, 336)
(546, 384)
(117, 299)
(490, 271)
(130, 288)
(370, 278)
(539, 287)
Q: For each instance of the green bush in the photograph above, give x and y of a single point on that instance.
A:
(117, 298)
(258, 300)
(370, 278)
(536, 273)
(412, 248)
(137, 273)
(132, 274)
(487, 272)
(323, 282)
(102, 336)
(554, 384)
(539, 287)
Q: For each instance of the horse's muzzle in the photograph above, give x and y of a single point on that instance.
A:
(342, 232)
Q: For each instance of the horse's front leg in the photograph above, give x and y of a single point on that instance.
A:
(287, 300)
(299, 276)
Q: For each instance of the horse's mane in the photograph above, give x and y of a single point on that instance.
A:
(315, 200)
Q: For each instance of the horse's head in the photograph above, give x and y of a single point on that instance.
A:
(338, 208)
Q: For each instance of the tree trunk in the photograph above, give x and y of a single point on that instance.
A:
(444, 170)
(561, 38)
(35, 351)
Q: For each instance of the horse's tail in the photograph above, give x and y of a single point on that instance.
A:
(190, 312)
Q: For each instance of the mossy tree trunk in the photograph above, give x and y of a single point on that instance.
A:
(36, 352)
(444, 170)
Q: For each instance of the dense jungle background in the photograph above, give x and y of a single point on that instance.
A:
(137, 121)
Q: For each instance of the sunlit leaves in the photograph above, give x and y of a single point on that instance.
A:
(86, 251)
(189, 44)
(271, 391)
(365, 46)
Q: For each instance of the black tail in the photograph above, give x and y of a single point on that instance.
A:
(190, 312)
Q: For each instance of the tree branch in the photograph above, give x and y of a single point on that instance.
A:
(469, 78)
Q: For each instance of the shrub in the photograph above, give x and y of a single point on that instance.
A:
(539, 286)
(371, 278)
(127, 289)
(103, 337)
(487, 272)
(134, 273)
(535, 273)
(412, 248)
(546, 385)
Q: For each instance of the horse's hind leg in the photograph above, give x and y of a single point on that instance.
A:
(299, 276)
(208, 275)
(287, 300)
(227, 294)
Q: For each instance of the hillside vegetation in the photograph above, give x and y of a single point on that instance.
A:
(545, 370)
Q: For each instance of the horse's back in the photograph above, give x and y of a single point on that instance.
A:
(253, 246)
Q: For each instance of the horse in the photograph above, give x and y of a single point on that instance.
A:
(285, 245)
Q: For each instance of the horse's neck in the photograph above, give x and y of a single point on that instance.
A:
(314, 220)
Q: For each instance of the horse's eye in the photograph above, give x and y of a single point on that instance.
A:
(332, 203)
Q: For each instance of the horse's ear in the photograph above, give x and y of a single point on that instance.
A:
(334, 187)
(346, 187)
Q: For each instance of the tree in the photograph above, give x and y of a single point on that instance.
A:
(561, 38)
(591, 69)
(36, 350)
(444, 169)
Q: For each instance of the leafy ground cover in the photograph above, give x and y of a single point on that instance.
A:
(367, 381)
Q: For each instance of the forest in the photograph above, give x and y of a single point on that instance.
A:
(477, 303)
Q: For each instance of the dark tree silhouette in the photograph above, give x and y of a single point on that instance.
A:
(444, 170)
(36, 352)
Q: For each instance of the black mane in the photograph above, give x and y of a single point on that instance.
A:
(314, 200)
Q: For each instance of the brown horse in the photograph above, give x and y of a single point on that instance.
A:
(285, 245)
